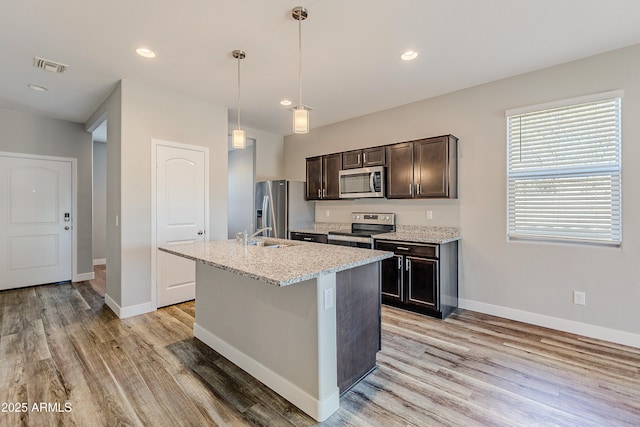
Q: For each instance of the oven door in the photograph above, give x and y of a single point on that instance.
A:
(352, 241)
(362, 183)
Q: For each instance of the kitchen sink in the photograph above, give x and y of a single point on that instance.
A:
(270, 244)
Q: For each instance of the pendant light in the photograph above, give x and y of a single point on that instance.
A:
(239, 139)
(301, 111)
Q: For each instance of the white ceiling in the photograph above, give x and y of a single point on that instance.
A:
(351, 64)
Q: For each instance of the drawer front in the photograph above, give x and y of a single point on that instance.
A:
(309, 237)
(404, 248)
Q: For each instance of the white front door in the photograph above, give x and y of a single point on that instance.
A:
(35, 221)
(180, 218)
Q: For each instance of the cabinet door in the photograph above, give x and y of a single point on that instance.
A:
(314, 178)
(400, 171)
(373, 156)
(332, 163)
(392, 278)
(422, 282)
(431, 167)
(352, 159)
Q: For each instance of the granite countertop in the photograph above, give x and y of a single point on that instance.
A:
(297, 262)
(323, 228)
(406, 233)
(422, 234)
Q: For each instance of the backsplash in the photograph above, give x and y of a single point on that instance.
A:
(444, 213)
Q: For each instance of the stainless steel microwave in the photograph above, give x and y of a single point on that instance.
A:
(362, 182)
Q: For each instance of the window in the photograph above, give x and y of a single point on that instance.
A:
(563, 170)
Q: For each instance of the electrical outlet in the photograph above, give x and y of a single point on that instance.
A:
(328, 299)
(429, 214)
(579, 298)
(327, 212)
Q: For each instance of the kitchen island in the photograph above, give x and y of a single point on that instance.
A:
(303, 318)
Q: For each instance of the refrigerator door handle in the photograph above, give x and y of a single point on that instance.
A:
(274, 221)
(265, 212)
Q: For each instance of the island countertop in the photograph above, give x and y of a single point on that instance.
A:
(297, 262)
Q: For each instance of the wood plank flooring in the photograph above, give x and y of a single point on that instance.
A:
(59, 344)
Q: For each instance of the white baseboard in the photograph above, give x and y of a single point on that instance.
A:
(318, 409)
(571, 326)
(129, 311)
(81, 277)
(100, 261)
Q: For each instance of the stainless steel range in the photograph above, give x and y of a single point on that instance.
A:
(364, 225)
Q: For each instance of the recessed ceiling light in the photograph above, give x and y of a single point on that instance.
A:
(145, 53)
(38, 88)
(285, 102)
(409, 55)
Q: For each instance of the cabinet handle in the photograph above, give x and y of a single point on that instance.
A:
(358, 161)
(408, 264)
(419, 189)
(411, 189)
(307, 238)
(364, 158)
(319, 194)
(399, 263)
(324, 193)
(402, 248)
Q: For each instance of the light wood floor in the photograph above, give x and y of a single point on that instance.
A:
(59, 343)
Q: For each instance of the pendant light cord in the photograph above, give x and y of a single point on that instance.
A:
(238, 92)
(300, 56)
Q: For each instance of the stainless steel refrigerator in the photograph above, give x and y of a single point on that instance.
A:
(281, 205)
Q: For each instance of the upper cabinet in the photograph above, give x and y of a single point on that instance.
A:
(435, 167)
(322, 177)
(426, 168)
(364, 158)
(400, 170)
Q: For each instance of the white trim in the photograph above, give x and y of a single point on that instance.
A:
(571, 326)
(154, 231)
(565, 102)
(318, 409)
(99, 261)
(130, 311)
(74, 199)
(81, 277)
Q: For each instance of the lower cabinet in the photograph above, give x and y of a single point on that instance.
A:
(308, 237)
(420, 277)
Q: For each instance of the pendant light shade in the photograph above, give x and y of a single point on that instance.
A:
(239, 138)
(301, 112)
(300, 119)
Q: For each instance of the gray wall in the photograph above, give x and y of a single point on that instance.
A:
(32, 134)
(99, 200)
(496, 275)
(136, 114)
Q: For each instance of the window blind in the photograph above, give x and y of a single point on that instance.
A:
(563, 173)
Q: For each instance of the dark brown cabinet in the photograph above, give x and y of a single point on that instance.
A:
(425, 168)
(322, 177)
(364, 158)
(420, 277)
(435, 167)
(400, 170)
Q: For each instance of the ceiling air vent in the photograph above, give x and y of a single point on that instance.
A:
(49, 65)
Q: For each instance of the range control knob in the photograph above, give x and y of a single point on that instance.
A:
(387, 218)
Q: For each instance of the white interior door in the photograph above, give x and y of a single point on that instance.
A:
(35, 221)
(180, 218)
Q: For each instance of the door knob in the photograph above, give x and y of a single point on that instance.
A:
(200, 232)
(66, 227)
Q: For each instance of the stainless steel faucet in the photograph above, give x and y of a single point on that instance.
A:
(262, 230)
